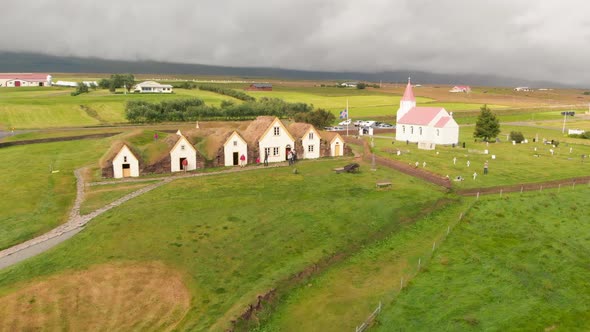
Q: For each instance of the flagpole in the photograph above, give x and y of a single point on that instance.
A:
(347, 122)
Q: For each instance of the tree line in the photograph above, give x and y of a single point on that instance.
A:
(194, 109)
(217, 89)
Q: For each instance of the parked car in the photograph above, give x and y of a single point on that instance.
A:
(345, 122)
(384, 125)
(358, 123)
(338, 128)
(328, 128)
(368, 123)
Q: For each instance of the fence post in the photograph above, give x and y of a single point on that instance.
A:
(501, 190)
(401, 284)
(449, 229)
(433, 246)
(559, 188)
(541, 189)
(521, 188)
(419, 262)
(478, 195)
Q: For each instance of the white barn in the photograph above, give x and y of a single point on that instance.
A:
(424, 124)
(15, 80)
(234, 147)
(308, 137)
(125, 164)
(183, 156)
(152, 87)
(272, 138)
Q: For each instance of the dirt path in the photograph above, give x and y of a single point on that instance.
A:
(76, 222)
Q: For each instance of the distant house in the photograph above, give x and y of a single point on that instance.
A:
(461, 88)
(15, 80)
(183, 155)
(307, 140)
(259, 87)
(75, 84)
(349, 84)
(268, 136)
(235, 146)
(125, 164)
(424, 124)
(152, 87)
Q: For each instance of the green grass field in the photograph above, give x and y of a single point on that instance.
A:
(515, 263)
(232, 249)
(514, 164)
(35, 200)
(54, 107)
(343, 297)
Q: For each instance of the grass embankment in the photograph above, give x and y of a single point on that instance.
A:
(343, 297)
(505, 268)
(235, 236)
(514, 164)
(34, 199)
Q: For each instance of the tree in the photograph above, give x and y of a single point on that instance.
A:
(81, 88)
(516, 136)
(361, 86)
(487, 125)
(319, 118)
(118, 81)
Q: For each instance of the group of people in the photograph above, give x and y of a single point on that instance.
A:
(292, 157)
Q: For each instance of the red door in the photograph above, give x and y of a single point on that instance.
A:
(16, 83)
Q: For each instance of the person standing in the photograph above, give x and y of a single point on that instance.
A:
(242, 160)
(265, 158)
(290, 158)
(485, 168)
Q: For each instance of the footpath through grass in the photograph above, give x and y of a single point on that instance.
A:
(234, 236)
(34, 200)
(516, 263)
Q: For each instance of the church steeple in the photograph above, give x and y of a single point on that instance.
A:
(407, 102)
(409, 93)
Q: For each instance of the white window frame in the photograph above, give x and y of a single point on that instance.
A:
(310, 148)
(310, 136)
(276, 151)
(277, 131)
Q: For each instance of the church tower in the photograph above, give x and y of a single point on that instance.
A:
(407, 103)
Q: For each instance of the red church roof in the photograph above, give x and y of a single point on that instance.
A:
(24, 76)
(408, 94)
(420, 115)
(442, 121)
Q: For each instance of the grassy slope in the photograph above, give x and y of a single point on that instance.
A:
(34, 200)
(344, 296)
(96, 197)
(233, 249)
(514, 164)
(506, 269)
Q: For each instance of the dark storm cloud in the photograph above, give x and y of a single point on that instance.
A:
(530, 39)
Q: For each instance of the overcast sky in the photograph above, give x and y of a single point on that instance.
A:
(542, 39)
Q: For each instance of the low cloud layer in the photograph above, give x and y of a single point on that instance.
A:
(535, 40)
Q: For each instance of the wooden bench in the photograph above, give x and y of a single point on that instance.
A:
(350, 168)
(383, 184)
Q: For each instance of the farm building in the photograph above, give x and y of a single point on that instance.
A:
(152, 87)
(307, 140)
(268, 136)
(183, 155)
(259, 87)
(24, 79)
(334, 144)
(522, 88)
(424, 124)
(125, 163)
(461, 88)
(349, 84)
(234, 147)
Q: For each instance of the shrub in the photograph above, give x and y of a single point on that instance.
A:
(516, 136)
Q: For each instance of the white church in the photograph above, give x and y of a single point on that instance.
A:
(424, 125)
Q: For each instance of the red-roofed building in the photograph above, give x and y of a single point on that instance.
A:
(14, 80)
(424, 124)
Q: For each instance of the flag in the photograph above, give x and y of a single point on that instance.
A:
(344, 114)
